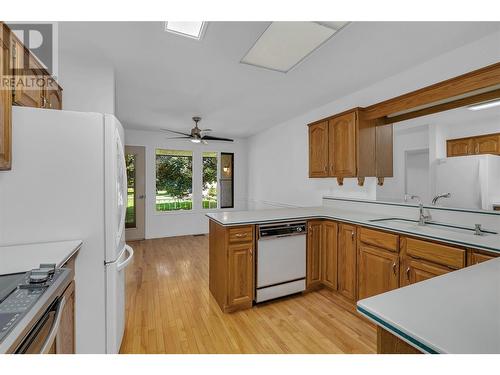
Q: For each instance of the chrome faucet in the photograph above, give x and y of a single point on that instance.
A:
(422, 218)
(439, 196)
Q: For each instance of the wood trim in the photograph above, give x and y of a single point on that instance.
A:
(387, 343)
(462, 84)
(490, 95)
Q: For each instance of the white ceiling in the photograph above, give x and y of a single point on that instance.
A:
(163, 79)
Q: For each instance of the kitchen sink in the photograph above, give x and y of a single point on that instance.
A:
(413, 225)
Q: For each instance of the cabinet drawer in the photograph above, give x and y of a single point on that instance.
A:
(441, 254)
(380, 239)
(241, 234)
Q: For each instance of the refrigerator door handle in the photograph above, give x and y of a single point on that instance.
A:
(125, 263)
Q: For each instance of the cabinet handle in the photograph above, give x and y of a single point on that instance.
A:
(394, 268)
(241, 235)
(352, 235)
(408, 274)
(251, 253)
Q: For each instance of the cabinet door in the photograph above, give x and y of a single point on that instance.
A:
(65, 339)
(53, 96)
(342, 145)
(5, 102)
(318, 150)
(459, 147)
(314, 239)
(487, 144)
(240, 264)
(477, 257)
(417, 270)
(378, 271)
(347, 261)
(29, 90)
(329, 254)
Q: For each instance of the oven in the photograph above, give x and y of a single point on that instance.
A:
(41, 339)
(281, 260)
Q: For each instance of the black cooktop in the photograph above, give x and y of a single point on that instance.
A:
(8, 283)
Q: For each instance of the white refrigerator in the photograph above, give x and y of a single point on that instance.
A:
(473, 181)
(68, 181)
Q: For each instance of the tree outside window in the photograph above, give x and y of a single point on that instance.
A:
(174, 180)
(209, 188)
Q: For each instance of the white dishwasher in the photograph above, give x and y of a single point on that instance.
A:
(281, 260)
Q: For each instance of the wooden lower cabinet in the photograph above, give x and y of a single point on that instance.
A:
(314, 242)
(65, 338)
(240, 291)
(476, 257)
(387, 343)
(231, 266)
(418, 270)
(329, 251)
(378, 271)
(347, 261)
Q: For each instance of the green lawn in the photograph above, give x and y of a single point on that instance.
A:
(177, 205)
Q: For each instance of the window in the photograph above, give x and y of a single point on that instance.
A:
(130, 215)
(227, 181)
(209, 188)
(174, 180)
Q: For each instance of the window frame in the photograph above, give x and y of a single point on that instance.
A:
(193, 200)
(232, 181)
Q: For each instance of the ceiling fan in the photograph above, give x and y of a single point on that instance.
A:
(197, 135)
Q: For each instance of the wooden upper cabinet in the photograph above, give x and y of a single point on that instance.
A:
(53, 95)
(346, 145)
(347, 261)
(314, 242)
(487, 144)
(378, 271)
(477, 145)
(329, 254)
(318, 150)
(342, 145)
(5, 102)
(34, 86)
(459, 147)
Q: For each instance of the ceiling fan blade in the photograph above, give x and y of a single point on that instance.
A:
(176, 132)
(210, 138)
(206, 130)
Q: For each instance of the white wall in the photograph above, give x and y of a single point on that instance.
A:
(278, 157)
(406, 138)
(166, 224)
(88, 83)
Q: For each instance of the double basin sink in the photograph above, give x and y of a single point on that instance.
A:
(435, 227)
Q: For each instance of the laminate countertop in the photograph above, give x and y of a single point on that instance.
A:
(458, 312)
(22, 258)
(444, 233)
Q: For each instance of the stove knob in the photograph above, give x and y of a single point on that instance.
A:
(38, 276)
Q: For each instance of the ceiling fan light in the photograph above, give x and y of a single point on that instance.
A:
(196, 140)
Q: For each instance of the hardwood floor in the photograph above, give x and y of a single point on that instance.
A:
(170, 310)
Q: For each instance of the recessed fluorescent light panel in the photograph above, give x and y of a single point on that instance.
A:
(484, 105)
(188, 29)
(283, 45)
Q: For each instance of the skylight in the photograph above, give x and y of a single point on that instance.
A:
(283, 45)
(188, 29)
